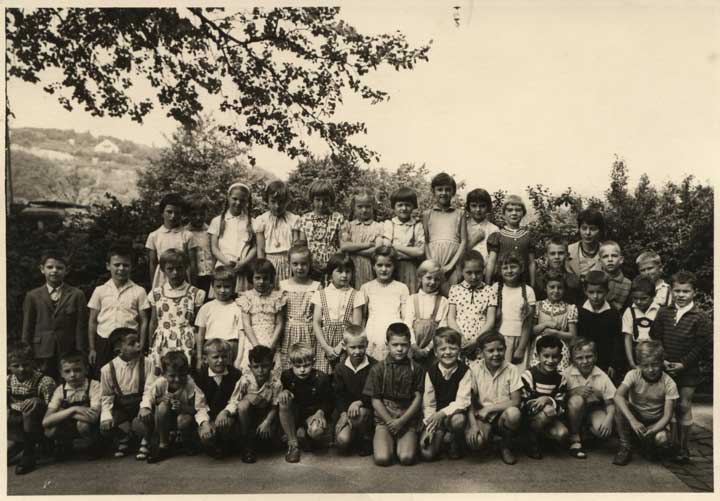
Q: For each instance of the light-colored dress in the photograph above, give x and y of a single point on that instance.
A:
(408, 234)
(175, 311)
(561, 313)
(481, 230)
(278, 239)
(337, 312)
(164, 239)
(204, 260)
(323, 237)
(359, 232)
(262, 311)
(443, 237)
(386, 304)
(235, 243)
(298, 317)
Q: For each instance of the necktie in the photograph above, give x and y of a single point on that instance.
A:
(55, 295)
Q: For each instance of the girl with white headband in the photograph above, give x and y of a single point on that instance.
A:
(232, 239)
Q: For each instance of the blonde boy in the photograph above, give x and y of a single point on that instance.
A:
(611, 259)
(649, 265)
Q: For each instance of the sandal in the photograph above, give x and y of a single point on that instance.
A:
(122, 450)
(142, 453)
(576, 450)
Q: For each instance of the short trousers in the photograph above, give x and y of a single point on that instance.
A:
(397, 409)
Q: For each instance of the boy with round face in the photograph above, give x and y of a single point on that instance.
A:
(543, 394)
(645, 401)
(589, 396)
(600, 323)
(448, 383)
(354, 426)
(74, 410)
(395, 387)
(496, 388)
(650, 265)
(639, 316)
(611, 259)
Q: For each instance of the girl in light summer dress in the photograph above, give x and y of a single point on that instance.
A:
(360, 235)
(445, 230)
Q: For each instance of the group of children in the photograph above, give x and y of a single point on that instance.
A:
(398, 339)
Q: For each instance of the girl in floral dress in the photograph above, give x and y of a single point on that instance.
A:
(445, 230)
(553, 316)
(321, 228)
(262, 308)
(386, 300)
(335, 307)
(299, 290)
(360, 235)
(174, 306)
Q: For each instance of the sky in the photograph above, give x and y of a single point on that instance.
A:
(521, 93)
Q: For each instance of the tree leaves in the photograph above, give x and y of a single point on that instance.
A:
(280, 73)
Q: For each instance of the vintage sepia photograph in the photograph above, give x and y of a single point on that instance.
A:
(450, 246)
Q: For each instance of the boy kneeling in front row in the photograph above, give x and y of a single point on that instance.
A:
(495, 398)
(645, 400)
(74, 409)
(448, 384)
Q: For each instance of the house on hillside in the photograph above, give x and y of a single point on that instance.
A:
(106, 146)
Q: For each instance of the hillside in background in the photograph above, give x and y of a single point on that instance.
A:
(69, 166)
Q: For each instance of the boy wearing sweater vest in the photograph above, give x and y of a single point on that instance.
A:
(446, 397)
(217, 379)
(354, 426)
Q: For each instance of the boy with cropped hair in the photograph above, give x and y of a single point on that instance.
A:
(589, 397)
(639, 316)
(118, 303)
(255, 401)
(217, 379)
(448, 384)
(306, 402)
(611, 259)
(495, 408)
(650, 265)
(123, 381)
(54, 315)
(556, 254)
(645, 401)
(395, 386)
(74, 409)
(29, 393)
(174, 402)
(685, 333)
(355, 411)
(543, 395)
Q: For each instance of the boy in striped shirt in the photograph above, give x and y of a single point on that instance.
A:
(543, 394)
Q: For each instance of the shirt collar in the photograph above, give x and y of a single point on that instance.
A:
(165, 229)
(653, 306)
(587, 306)
(409, 222)
(229, 216)
(682, 311)
(423, 293)
(360, 367)
(169, 288)
(357, 222)
(50, 288)
(617, 278)
(127, 284)
(83, 387)
(467, 286)
(574, 371)
(129, 364)
(500, 370)
(447, 373)
(211, 373)
(440, 209)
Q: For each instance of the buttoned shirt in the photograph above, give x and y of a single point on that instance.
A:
(490, 389)
(117, 307)
(462, 397)
(258, 396)
(127, 373)
(76, 395)
(597, 380)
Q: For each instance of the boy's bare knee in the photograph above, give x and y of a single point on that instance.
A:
(661, 439)
(512, 417)
(83, 428)
(184, 421)
(343, 441)
(559, 433)
(382, 459)
(162, 409)
(576, 403)
(457, 423)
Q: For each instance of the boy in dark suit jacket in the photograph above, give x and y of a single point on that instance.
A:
(54, 316)
(217, 379)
